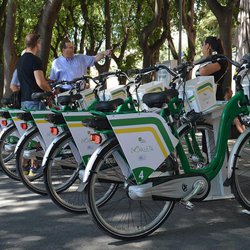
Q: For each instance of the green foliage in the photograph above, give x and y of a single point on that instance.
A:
(26, 20)
(128, 18)
(208, 26)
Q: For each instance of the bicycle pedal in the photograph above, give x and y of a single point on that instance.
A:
(188, 205)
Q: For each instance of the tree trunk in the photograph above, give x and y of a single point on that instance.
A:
(2, 32)
(243, 31)
(188, 18)
(225, 15)
(171, 45)
(2, 27)
(46, 23)
(159, 20)
(10, 57)
(107, 27)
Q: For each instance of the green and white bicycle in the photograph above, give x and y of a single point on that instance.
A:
(64, 184)
(66, 157)
(141, 161)
(36, 138)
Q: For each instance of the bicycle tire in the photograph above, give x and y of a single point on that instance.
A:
(204, 137)
(34, 183)
(62, 181)
(241, 171)
(120, 216)
(7, 156)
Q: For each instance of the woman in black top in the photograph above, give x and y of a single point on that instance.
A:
(213, 45)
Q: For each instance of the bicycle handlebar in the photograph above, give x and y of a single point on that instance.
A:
(63, 82)
(215, 58)
(212, 58)
(55, 84)
(151, 69)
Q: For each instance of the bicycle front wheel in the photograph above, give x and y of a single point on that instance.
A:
(241, 171)
(119, 215)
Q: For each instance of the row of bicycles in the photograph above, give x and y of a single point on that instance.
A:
(126, 165)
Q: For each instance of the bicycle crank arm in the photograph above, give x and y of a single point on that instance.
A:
(181, 187)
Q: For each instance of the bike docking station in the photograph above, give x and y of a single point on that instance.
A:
(218, 190)
(200, 93)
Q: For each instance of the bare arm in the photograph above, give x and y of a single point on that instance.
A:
(41, 81)
(209, 69)
(239, 125)
(101, 55)
(14, 88)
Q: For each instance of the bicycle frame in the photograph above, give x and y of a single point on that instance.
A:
(230, 112)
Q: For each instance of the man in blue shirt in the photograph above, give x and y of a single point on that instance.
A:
(14, 84)
(69, 65)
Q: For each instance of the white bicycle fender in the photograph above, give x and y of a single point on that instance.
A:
(94, 157)
(3, 131)
(23, 137)
(48, 150)
(233, 152)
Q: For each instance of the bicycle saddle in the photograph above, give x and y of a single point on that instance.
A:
(56, 119)
(25, 116)
(76, 97)
(108, 106)
(98, 123)
(5, 114)
(39, 96)
(156, 100)
(65, 100)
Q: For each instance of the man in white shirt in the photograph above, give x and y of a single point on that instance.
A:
(69, 65)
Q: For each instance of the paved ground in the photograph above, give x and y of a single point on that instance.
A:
(29, 221)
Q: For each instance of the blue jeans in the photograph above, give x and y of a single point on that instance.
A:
(33, 105)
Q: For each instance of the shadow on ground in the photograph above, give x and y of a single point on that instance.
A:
(29, 221)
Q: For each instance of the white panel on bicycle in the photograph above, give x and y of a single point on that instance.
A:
(80, 133)
(43, 125)
(118, 92)
(16, 120)
(88, 95)
(145, 139)
(200, 93)
(113, 93)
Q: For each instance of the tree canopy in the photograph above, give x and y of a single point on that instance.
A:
(139, 31)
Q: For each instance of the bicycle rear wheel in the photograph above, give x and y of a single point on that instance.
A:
(119, 215)
(31, 149)
(198, 143)
(241, 171)
(63, 174)
(8, 140)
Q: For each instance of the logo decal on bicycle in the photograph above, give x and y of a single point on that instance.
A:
(144, 149)
(184, 187)
(140, 139)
